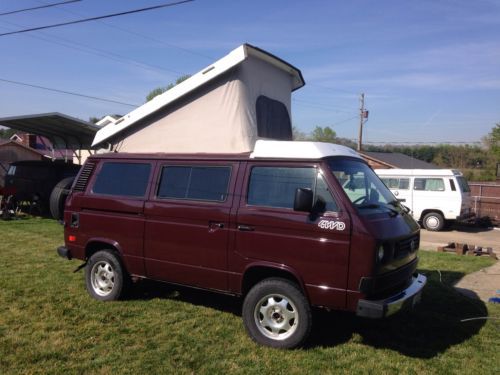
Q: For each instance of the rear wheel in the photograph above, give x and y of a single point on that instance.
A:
(277, 314)
(105, 277)
(433, 221)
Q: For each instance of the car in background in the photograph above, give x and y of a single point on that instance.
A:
(41, 183)
(434, 196)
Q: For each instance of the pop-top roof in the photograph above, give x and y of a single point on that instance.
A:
(299, 150)
(201, 78)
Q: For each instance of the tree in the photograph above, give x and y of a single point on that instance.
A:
(298, 135)
(6, 133)
(492, 141)
(160, 90)
(325, 134)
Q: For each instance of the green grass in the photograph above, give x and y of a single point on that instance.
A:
(48, 324)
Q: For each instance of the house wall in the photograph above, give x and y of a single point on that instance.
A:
(11, 152)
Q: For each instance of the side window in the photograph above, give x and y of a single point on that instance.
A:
(323, 195)
(194, 182)
(125, 179)
(276, 186)
(273, 120)
(391, 183)
(429, 184)
(404, 183)
(396, 183)
(452, 184)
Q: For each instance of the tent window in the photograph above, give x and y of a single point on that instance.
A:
(273, 120)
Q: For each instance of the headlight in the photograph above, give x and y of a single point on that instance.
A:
(380, 253)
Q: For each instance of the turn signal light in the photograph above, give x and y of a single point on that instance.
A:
(71, 238)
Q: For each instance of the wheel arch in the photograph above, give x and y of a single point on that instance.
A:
(257, 272)
(97, 244)
(429, 210)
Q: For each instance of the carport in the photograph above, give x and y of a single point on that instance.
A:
(65, 132)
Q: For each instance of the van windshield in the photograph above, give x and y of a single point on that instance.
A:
(464, 186)
(363, 187)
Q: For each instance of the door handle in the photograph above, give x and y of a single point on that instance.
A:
(215, 225)
(245, 228)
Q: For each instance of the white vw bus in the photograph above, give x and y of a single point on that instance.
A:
(433, 195)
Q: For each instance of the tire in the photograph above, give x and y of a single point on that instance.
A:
(433, 221)
(277, 314)
(105, 276)
(58, 197)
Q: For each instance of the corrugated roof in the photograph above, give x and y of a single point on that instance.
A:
(65, 132)
(398, 160)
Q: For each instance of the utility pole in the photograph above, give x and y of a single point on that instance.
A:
(363, 116)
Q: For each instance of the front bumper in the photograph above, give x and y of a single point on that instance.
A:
(391, 305)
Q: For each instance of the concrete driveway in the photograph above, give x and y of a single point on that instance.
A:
(482, 284)
(484, 237)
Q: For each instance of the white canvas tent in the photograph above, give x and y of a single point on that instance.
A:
(224, 108)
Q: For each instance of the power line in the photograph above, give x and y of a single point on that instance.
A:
(98, 17)
(332, 89)
(342, 121)
(147, 37)
(39, 7)
(67, 92)
(324, 106)
(96, 51)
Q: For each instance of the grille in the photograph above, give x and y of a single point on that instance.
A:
(405, 247)
(83, 177)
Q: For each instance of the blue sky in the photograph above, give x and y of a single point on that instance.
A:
(430, 69)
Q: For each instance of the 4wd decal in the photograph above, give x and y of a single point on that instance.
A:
(330, 224)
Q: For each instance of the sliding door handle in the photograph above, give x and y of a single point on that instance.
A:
(245, 228)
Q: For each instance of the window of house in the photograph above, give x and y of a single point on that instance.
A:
(194, 183)
(429, 184)
(276, 187)
(125, 179)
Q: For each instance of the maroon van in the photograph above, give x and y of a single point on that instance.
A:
(289, 226)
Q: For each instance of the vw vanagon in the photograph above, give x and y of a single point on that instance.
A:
(279, 227)
(434, 196)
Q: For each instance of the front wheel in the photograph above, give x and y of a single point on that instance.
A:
(433, 221)
(105, 277)
(277, 314)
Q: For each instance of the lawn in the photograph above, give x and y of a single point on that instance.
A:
(48, 324)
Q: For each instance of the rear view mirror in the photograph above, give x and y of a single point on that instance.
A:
(303, 200)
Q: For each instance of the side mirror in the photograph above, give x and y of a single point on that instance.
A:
(303, 200)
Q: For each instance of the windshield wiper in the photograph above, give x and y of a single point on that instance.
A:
(375, 205)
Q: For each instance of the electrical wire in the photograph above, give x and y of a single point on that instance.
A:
(141, 35)
(324, 106)
(96, 51)
(39, 7)
(98, 17)
(68, 92)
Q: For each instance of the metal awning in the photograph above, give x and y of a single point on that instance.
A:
(65, 132)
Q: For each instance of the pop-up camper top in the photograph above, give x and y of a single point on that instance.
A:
(226, 107)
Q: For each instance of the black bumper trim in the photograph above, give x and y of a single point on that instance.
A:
(64, 252)
(391, 305)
